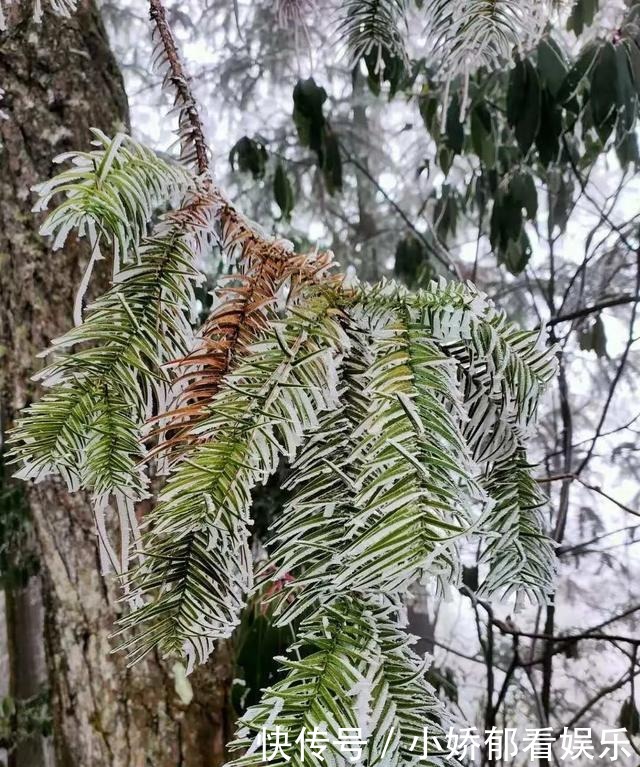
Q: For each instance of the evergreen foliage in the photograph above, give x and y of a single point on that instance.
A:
(404, 416)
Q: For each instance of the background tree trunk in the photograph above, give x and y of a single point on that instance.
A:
(58, 80)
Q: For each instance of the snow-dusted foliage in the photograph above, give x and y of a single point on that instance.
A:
(111, 193)
(459, 36)
(463, 35)
(106, 374)
(439, 390)
(469, 34)
(403, 415)
(358, 672)
(198, 545)
(375, 28)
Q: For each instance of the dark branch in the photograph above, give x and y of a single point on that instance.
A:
(179, 79)
(587, 310)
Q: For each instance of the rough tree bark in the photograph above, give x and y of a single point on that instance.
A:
(58, 80)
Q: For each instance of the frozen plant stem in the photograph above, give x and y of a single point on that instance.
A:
(180, 81)
(235, 228)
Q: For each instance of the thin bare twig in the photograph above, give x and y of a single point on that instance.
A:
(573, 477)
(179, 79)
(591, 634)
(447, 263)
(588, 310)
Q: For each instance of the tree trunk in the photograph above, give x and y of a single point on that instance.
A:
(58, 80)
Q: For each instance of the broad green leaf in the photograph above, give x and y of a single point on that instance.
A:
(594, 338)
(629, 718)
(523, 103)
(308, 116)
(250, 156)
(633, 51)
(552, 66)
(412, 263)
(482, 135)
(604, 91)
(428, 103)
(578, 73)
(627, 150)
(282, 191)
(517, 253)
(445, 159)
(550, 131)
(625, 88)
(522, 187)
(331, 161)
(506, 221)
(454, 127)
(582, 15)
(561, 196)
(446, 213)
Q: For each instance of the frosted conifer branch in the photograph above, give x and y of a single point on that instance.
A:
(402, 415)
(64, 8)
(293, 12)
(467, 35)
(374, 28)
